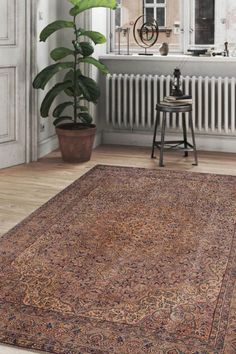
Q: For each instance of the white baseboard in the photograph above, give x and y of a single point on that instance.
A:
(48, 145)
(204, 142)
(98, 139)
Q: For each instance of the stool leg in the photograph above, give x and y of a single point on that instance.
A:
(193, 137)
(185, 135)
(154, 135)
(163, 128)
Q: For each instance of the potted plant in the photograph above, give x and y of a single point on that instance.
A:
(72, 120)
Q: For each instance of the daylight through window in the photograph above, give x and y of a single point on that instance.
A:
(183, 24)
(156, 9)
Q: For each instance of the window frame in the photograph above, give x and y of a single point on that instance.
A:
(119, 6)
(155, 5)
(187, 27)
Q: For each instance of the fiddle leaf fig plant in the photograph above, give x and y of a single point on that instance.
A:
(77, 87)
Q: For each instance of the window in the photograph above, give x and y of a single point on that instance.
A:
(204, 21)
(165, 12)
(118, 19)
(156, 9)
(183, 24)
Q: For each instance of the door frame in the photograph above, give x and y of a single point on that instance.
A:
(31, 101)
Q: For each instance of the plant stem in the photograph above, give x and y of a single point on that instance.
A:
(75, 76)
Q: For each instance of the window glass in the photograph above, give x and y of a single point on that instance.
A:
(118, 17)
(204, 22)
(183, 24)
(165, 12)
(160, 16)
(158, 8)
(149, 13)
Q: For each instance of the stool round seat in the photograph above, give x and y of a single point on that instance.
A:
(174, 109)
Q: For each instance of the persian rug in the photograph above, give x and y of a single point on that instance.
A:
(123, 261)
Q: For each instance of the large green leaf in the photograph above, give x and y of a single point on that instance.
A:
(69, 91)
(61, 107)
(71, 77)
(96, 37)
(60, 53)
(103, 68)
(51, 95)
(46, 74)
(53, 27)
(86, 49)
(82, 5)
(85, 117)
(62, 119)
(89, 88)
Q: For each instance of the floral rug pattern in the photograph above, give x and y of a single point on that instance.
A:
(123, 261)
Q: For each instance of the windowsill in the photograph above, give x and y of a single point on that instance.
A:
(169, 57)
(162, 30)
(165, 30)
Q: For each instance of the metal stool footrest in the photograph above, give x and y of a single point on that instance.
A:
(169, 145)
(174, 144)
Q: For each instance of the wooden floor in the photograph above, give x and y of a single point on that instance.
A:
(24, 188)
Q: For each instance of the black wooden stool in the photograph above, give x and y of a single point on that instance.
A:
(161, 144)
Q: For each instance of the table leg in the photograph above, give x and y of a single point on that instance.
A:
(163, 128)
(193, 137)
(154, 135)
(185, 135)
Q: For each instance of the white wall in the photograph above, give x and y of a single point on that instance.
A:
(189, 65)
(225, 23)
(47, 11)
(98, 23)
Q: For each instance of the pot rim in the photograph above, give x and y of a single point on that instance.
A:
(67, 125)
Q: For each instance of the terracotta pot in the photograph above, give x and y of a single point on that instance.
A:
(76, 141)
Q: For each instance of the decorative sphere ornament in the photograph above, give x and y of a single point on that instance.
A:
(146, 32)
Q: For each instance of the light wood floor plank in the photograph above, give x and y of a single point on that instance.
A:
(24, 188)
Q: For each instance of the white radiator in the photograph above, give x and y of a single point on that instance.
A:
(131, 101)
